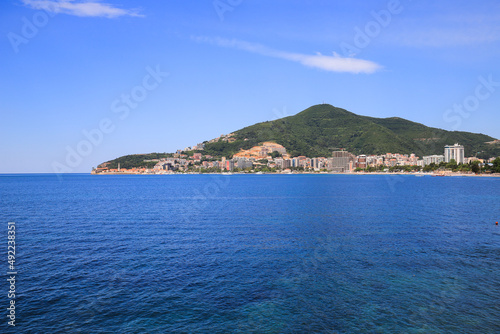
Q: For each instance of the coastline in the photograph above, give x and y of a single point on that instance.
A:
(451, 174)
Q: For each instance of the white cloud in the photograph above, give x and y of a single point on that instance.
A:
(80, 8)
(334, 63)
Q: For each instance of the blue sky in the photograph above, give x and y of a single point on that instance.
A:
(101, 79)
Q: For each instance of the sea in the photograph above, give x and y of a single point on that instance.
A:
(251, 253)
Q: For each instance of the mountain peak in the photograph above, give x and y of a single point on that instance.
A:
(323, 128)
(319, 129)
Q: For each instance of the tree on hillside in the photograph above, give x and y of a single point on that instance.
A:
(276, 154)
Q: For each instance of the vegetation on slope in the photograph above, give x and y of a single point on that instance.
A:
(321, 129)
(136, 160)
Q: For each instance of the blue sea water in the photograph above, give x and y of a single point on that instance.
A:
(253, 254)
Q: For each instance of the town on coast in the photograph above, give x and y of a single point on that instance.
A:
(271, 157)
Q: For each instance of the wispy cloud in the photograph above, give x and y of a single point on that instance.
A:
(334, 63)
(81, 8)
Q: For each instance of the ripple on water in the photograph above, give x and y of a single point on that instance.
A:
(329, 254)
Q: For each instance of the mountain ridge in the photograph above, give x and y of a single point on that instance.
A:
(323, 128)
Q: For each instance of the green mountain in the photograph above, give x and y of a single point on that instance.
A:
(321, 129)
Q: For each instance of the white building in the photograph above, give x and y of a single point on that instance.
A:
(454, 152)
(437, 159)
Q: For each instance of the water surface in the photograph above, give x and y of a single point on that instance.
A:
(254, 253)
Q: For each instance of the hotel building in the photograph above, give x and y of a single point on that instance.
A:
(429, 159)
(454, 152)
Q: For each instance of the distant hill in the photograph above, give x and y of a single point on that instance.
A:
(320, 129)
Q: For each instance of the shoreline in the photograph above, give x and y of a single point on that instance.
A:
(313, 173)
